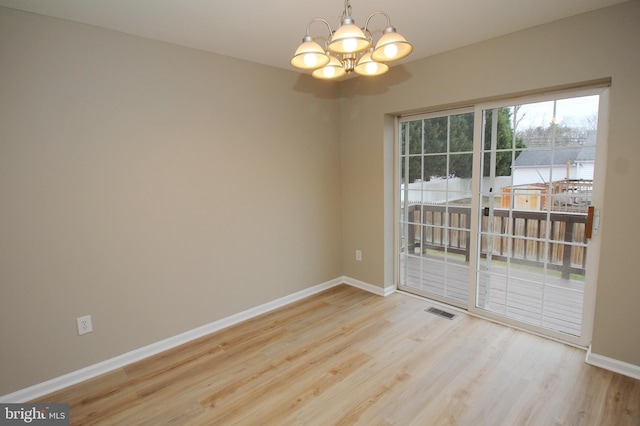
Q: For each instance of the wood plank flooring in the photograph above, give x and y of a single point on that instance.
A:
(347, 357)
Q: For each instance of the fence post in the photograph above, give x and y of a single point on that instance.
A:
(566, 251)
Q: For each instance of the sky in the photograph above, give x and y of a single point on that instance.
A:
(569, 112)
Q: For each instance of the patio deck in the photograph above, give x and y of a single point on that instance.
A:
(556, 305)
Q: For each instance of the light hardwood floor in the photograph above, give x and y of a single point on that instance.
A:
(347, 357)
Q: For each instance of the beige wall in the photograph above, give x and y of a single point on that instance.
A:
(160, 188)
(602, 44)
(155, 187)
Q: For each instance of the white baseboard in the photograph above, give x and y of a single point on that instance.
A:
(612, 364)
(119, 361)
(369, 287)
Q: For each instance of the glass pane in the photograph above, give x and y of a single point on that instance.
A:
(525, 301)
(435, 167)
(435, 135)
(415, 171)
(529, 197)
(414, 242)
(533, 124)
(457, 282)
(413, 213)
(460, 166)
(525, 167)
(462, 200)
(411, 197)
(433, 237)
(486, 162)
(433, 277)
(461, 133)
(415, 137)
(563, 309)
(576, 121)
(500, 119)
(435, 192)
(411, 266)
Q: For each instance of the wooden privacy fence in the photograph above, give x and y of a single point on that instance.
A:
(520, 238)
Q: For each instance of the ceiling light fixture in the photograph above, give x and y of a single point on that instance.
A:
(350, 49)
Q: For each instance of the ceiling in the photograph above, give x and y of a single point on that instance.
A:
(268, 32)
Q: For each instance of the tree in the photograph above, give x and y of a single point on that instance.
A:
(411, 149)
(505, 140)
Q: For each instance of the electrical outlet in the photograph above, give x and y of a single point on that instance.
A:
(359, 255)
(84, 325)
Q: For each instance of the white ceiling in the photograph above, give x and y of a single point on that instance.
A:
(268, 32)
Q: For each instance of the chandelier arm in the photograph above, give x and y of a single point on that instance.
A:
(318, 20)
(378, 12)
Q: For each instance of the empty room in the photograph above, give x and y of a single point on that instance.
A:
(398, 213)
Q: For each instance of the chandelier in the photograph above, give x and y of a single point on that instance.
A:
(350, 49)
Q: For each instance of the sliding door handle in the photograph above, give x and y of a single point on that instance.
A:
(592, 224)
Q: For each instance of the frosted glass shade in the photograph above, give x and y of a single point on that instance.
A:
(348, 39)
(367, 66)
(391, 47)
(334, 69)
(309, 56)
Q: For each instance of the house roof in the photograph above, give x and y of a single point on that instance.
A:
(542, 157)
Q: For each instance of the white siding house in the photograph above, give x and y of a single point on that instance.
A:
(538, 166)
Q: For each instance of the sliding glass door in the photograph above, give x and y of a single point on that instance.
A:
(498, 209)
